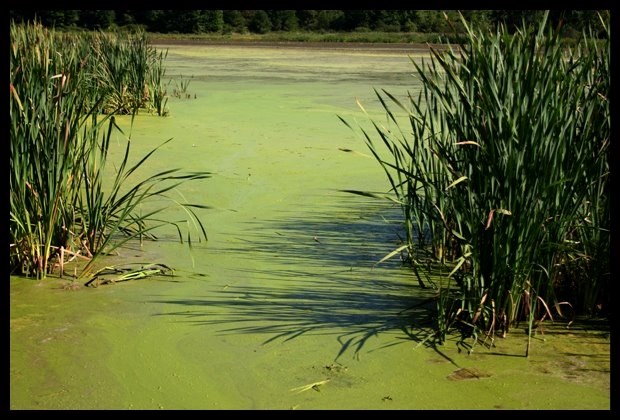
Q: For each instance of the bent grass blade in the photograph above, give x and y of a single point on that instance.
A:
(313, 385)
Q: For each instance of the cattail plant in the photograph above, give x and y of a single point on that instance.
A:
(158, 94)
(129, 70)
(47, 111)
(59, 142)
(503, 174)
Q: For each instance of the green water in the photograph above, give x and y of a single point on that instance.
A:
(286, 292)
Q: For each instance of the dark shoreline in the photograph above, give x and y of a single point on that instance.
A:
(365, 46)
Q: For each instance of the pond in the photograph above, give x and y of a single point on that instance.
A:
(285, 306)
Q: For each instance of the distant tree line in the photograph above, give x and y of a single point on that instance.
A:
(264, 21)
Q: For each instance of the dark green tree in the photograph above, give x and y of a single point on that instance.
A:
(124, 17)
(155, 20)
(573, 22)
(409, 20)
(385, 20)
(330, 20)
(213, 20)
(259, 22)
(96, 19)
(58, 18)
(185, 21)
(431, 21)
(354, 19)
(514, 19)
(283, 20)
(307, 19)
(480, 19)
(234, 21)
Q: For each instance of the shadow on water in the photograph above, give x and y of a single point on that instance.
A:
(315, 273)
(348, 235)
(353, 317)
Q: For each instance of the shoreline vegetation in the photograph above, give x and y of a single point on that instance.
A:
(385, 39)
(393, 46)
(388, 42)
(374, 47)
(62, 119)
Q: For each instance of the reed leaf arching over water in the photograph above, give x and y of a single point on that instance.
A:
(59, 142)
(503, 176)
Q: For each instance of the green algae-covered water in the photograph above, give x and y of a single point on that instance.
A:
(284, 307)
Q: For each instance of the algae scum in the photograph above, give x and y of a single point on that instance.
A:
(284, 307)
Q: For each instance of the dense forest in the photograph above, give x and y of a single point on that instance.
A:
(572, 22)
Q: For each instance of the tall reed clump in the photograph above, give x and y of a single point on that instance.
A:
(59, 145)
(503, 176)
(129, 70)
(158, 94)
(46, 113)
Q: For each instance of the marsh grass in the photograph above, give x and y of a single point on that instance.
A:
(59, 143)
(129, 71)
(503, 177)
(157, 90)
(181, 87)
(118, 209)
